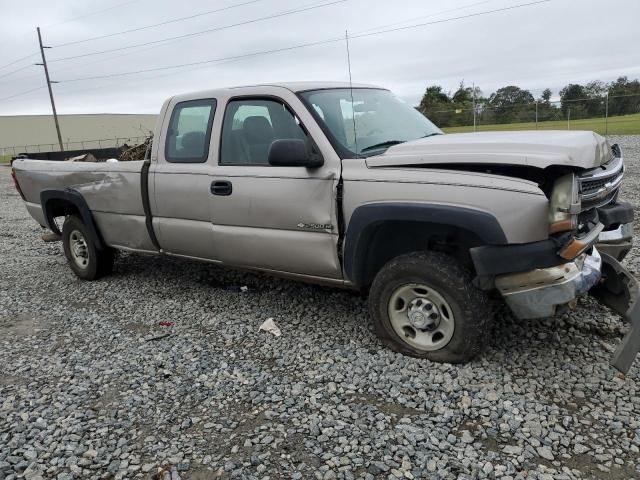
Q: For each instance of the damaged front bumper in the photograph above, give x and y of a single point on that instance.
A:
(617, 242)
(542, 292)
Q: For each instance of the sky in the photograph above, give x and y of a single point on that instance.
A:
(487, 43)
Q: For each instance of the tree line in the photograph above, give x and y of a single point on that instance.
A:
(514, 104)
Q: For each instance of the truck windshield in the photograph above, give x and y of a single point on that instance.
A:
(381, 119)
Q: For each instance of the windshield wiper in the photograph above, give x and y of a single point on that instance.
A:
(431, 134)
(388, 143)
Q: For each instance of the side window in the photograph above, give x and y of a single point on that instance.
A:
(251, 125)
(190, 131)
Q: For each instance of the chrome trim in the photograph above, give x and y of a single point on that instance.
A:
(538, 293)
(623, 232)
(611, 168)
(612, 174)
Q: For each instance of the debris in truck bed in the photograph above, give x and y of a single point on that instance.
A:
(85, 157)
(137, 152)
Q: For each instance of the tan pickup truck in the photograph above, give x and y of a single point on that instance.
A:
(349, 186)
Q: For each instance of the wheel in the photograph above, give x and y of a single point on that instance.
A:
(85, 259)
(424, 304)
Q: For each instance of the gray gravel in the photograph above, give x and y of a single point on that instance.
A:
(92, 386)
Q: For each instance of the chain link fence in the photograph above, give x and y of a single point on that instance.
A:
(73, 145)
(608, 115)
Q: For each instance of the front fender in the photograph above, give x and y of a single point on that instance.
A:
(366, 218)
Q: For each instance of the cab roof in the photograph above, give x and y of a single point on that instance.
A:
(292, 86)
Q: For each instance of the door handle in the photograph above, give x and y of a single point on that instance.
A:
(221, 187)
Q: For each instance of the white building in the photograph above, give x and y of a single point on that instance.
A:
(34, 133)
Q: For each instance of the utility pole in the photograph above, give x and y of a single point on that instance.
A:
(606, 116)
(49, 82)
(536, 114)
(473, 87)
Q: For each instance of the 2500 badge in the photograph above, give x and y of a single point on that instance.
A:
(315, 226)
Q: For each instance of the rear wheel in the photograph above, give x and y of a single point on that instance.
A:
(424, 304)
(85, 259)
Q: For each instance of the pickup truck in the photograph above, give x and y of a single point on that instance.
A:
(347, 185)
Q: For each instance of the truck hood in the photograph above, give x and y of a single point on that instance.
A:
(538, 149)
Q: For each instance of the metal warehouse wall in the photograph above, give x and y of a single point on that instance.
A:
(38, 131)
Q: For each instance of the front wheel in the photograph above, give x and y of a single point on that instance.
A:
(424, 304)
(85, 259)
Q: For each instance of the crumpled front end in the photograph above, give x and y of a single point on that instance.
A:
(593, 233)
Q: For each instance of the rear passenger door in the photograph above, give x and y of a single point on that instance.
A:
(274, 218)
(181, 175)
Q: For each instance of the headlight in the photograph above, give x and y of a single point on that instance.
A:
(564, 204)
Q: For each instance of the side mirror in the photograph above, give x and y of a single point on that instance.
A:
(292, 152)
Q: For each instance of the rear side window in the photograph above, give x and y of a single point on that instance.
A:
(189, 131)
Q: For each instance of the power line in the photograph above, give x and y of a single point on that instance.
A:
(294, 47)
(193, 34)
(214, 60)
(434, 14)
(16, 71)
(109, 35)
(21, 93)
(19, 60)
(67, 21)
(434, 22)
(122, 4)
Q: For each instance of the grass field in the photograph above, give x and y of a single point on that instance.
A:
(5, 159)
(623, 125)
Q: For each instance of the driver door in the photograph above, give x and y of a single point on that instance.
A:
(270, 217)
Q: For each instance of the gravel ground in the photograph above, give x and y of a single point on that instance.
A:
(93, 386)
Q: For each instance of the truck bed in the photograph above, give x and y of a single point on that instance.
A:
(112, 192)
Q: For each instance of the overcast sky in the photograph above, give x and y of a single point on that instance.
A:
(545, 45)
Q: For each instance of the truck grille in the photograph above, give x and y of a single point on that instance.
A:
(600, 185)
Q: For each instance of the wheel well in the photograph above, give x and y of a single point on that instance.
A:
(393, 238)
(58, 203)
(60, 207)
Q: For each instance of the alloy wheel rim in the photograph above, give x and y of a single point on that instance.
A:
(421, 317)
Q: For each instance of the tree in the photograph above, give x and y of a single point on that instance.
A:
(547, 110)
(511, 103)
(624, 96)
(546, 96)
(433, 97)
(437, 105)
(573, 97)
(464, 95)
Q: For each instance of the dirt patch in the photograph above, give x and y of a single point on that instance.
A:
(6, 379)
(107, 398)
(589, 466)
(137, 328)
(393, 409)
(20, 325)
(201, 474)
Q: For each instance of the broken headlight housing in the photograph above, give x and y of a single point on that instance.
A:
(564, 204)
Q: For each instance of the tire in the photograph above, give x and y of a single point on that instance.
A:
(449, 315)
(85, 259)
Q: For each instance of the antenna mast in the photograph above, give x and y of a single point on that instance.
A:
(353, 110)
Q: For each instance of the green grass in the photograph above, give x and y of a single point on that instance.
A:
(5, 159)
(623, 125)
